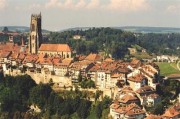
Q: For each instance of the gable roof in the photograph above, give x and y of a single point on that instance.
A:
(128, 98)
(93, 57)
(145, 89)
(55, 47)
(172, 111)
(137, 78)
(131, 109)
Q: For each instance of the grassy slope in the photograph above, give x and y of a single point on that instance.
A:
(168, 68)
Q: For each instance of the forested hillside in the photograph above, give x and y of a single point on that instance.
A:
(116, 42)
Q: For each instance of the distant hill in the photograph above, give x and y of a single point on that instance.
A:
(19, 29)
(135, 29)
(149, 29)
(76, 28)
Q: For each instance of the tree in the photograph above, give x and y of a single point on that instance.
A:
(79, 77)
(24, 84)
(106, 102)
(97, 94)
(5, 29)
(39, 94)
(83, 109)
(98, 110)
(158, 109)
(119, 50)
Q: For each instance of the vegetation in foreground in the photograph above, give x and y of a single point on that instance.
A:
(18, 93)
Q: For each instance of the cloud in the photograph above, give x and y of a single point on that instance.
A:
(3, 4)
(69, 4)
(173, 8)
(51, 3)
(34, 6)
(128, 5)
(123, 5)
(93, 4)
(81, 4)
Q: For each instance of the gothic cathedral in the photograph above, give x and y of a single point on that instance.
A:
(35, 38)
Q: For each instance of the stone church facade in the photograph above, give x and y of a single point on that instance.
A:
(36, 45)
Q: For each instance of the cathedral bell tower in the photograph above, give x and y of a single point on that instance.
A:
(35, 38)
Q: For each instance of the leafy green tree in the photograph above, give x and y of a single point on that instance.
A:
(83, 109)
(98, 110)
(158, 109)
(97, 95)
(105, 114)
(106, 102)
(39, 94)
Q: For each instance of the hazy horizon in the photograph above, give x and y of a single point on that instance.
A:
(64, 14)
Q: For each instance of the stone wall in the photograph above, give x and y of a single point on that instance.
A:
(42, 77)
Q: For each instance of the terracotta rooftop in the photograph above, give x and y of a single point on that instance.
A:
(154, 117)
(65, 62)
(130, 110)
(145, 89)
(114, 105)
(108, 60)
(128, 98)
(94, 68)
(80, 65)
(55, 47)
(135, 61)
(137, 78)
(9, 46)
(126, 89)
(115, 75)
(172, 111)
(30, 58)
(5, 54)
(93, 57)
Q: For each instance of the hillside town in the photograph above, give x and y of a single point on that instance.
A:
(131, 84)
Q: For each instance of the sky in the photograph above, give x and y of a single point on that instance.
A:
(63, 14)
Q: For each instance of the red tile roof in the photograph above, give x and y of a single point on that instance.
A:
(172, 111)
(128, 98)
(130, 110)
(154, 117)
(137, 78)
(55, 47)
(145, 89)
(93, 57)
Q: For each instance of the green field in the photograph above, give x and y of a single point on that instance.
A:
(167, 69)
